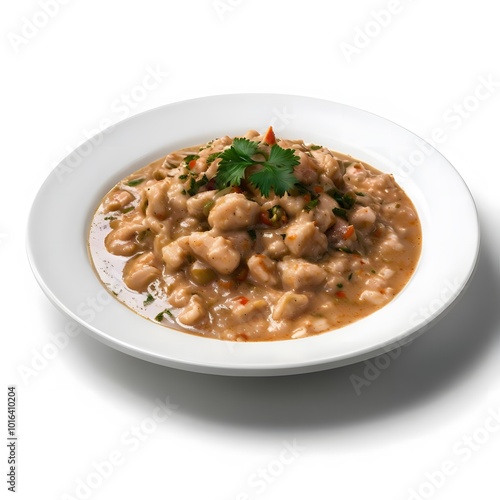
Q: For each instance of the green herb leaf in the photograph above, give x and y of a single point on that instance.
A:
(345, 200)
(109, 217)
(190, 158)
(135, 182)
(159, 316)
(196, 185)
(299, 188)
(211, 158)
(276, 173)
(252, 234)
(314, 147)
(349, 200)
(346, 250)
(143, 235)
(340, 212)
(234, 162)
(127, 210)
(149, 300)
(311, 204)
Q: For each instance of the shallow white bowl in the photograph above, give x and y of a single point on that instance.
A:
(63, 208)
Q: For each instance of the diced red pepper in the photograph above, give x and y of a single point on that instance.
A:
(242, 300)
(348, 232)
(269, 137)
(264, 219)
(318, 189)
(192, 163)
(340, 294)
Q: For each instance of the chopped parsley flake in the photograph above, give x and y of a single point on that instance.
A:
(340, 212)
(345, 200)
(211, 158)
(195, 186)
(149, 300)
(311, 204)
(346, 250)
(159, 317)
(135, 182)
(189, 158)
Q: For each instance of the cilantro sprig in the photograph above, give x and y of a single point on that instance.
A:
(275, 172)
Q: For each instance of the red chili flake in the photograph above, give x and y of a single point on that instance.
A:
(242, 300)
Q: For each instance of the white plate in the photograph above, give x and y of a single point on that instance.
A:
(64, 206)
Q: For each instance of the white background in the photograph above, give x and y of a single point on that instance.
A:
(66, 78)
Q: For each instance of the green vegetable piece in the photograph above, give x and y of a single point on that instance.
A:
(340, 212)
(346, 250)
(135, 182)
(277, 215)
(207, 207)
(345, 200)
(202, 275)
(190, 158)
(159, 317)
(195, 186)
(211, 158)
(349, 199)
(149, 300)
(311, 204)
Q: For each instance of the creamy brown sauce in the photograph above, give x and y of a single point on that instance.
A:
(233, 265)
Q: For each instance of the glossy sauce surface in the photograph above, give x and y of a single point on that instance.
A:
(234, 265)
